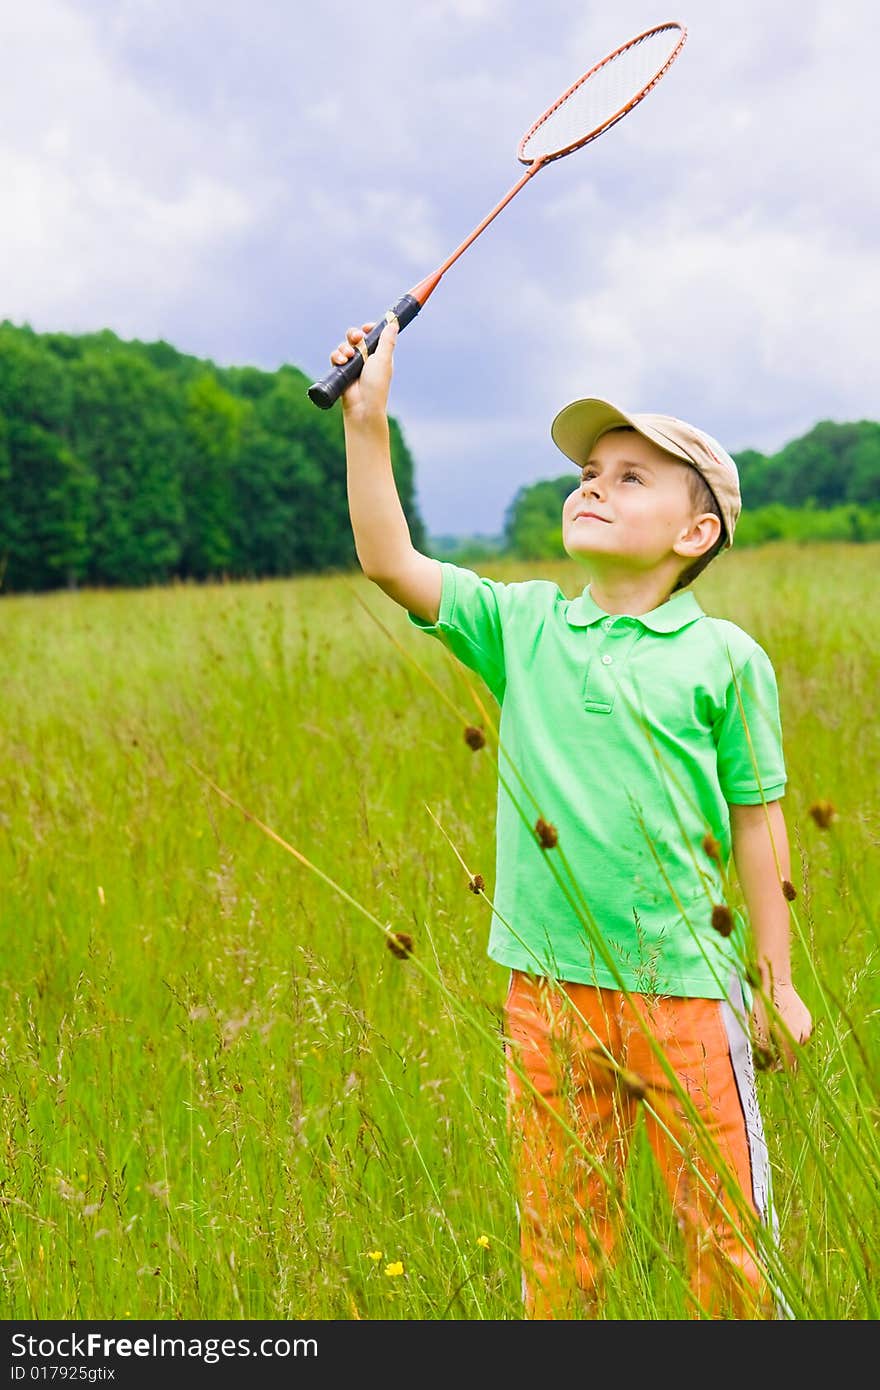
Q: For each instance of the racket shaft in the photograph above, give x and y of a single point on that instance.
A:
(324, 392)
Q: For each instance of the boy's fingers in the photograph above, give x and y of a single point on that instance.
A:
(345, 350)
(355, 334)
(388, 338)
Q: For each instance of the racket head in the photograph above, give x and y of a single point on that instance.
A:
(603, 95)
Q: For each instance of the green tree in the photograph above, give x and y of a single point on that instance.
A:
(46, 495)
(861, 463)
(265, 524)
(821, 464)
(45, 489)
(533, 521)
(213, 424)
(34, 385)
(752, 468)
(127, 425)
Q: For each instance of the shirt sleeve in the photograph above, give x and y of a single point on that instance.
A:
(748, 736)
(469, 623)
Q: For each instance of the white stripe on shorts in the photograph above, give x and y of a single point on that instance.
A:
(735, 1013)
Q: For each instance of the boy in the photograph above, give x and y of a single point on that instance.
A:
(639, 746)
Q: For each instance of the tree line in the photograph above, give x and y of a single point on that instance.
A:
(130, 463)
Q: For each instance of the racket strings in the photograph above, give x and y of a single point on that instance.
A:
(602, 96)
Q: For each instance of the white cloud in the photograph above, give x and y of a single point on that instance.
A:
(751, 323)
(108, 208)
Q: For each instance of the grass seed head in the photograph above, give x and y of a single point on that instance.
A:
(765, 1058)
(477, 883)
(546, 833)
(474, 737)
(722, 919)
(788, 890)
(823, 813)
(400, 944)
(712, 848)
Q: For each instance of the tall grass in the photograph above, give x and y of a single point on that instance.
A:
(224, 1096)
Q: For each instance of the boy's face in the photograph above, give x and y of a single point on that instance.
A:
(632, 509)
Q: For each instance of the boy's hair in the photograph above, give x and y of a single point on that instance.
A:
(702, 500)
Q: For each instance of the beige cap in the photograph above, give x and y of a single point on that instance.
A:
(578, 426)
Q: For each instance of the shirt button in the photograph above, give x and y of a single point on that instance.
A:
(606, 623)
(607, 660)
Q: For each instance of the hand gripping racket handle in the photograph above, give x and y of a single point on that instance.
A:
(324, 392)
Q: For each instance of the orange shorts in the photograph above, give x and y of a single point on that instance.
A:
(581, 1060)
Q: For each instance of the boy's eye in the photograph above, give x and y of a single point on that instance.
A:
(589, 472)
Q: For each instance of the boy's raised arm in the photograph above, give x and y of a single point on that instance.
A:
(381, 533)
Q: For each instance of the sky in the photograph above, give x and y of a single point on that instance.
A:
(246, 181)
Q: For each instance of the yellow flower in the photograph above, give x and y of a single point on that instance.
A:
(394, 1269)
(375, 1255)
(484, 1241)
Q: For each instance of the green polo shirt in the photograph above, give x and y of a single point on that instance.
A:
(630, 737)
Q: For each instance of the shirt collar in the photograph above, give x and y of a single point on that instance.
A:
(677, 612)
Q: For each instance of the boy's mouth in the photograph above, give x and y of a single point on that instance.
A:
(592, 516)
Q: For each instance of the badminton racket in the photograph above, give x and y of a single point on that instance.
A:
(596, 102)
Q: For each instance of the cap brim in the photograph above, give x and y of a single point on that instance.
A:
(578, 425)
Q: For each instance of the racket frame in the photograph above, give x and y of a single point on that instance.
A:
(618, 115)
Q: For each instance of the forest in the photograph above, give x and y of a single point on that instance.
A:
(130, 463)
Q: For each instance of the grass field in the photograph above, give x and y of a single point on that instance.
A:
(223, 1095)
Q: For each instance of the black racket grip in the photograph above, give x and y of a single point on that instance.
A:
(323, 393)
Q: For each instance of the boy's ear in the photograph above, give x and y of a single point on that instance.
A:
(700, 537)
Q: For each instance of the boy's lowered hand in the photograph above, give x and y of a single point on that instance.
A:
(780, 1030)
(366, 399)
